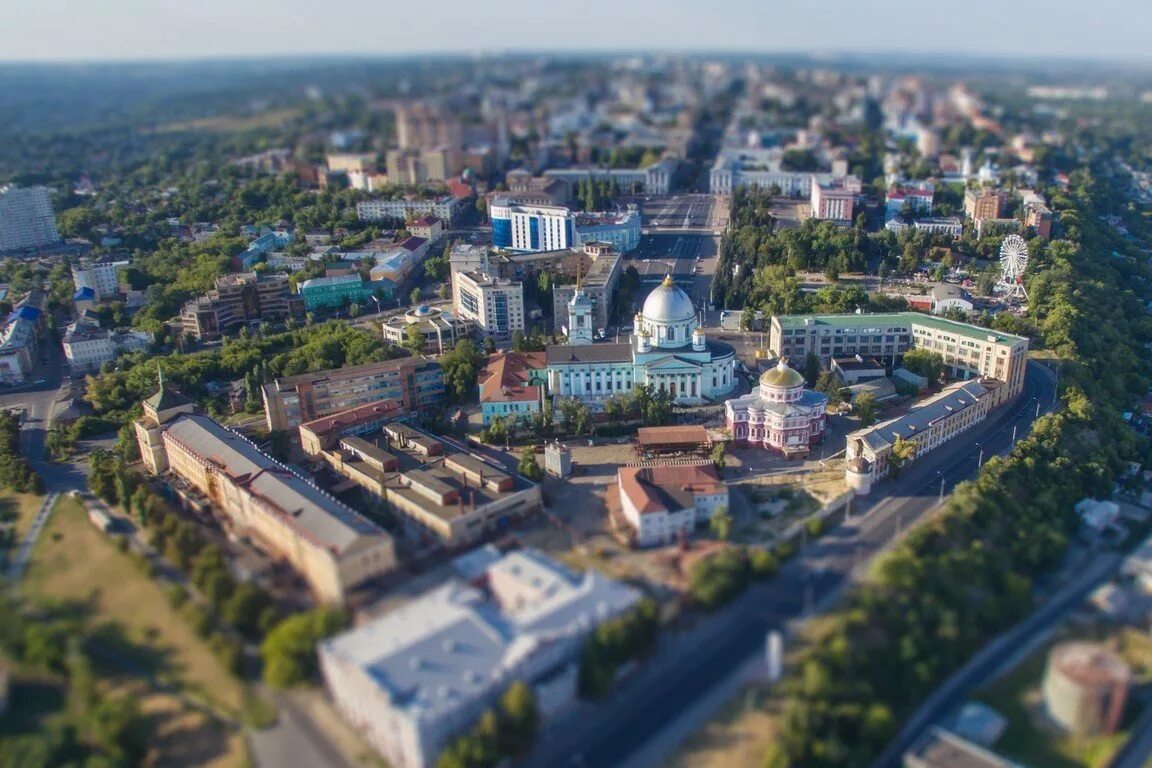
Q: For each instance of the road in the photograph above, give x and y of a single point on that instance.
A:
(642, 713)
(683, 211)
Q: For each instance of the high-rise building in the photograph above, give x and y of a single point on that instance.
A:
(26, 219)
(554, 227)
(494, 304)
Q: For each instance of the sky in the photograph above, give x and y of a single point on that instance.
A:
(72, 30)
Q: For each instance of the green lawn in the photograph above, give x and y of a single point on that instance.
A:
(138, 631)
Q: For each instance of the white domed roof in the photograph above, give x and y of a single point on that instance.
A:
(668, 304)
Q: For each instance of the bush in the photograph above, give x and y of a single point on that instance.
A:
(717, 579)
(176, 595)
(614, 643)
(764, 564)
(199, 619)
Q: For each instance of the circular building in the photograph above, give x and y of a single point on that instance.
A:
(780, 415)
(1086, 687)
(858, 475)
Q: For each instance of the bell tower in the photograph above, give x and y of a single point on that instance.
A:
(579, 318)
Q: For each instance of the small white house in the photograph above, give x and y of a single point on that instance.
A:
(666, 502)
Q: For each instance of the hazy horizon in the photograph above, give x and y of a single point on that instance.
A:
(66, 31)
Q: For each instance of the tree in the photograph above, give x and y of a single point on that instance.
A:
(414, 296)
(719, 459)
(460, 368)
(902, 452)
(721, 523)
(926, 363)
(355, 310)
(520, 717)
(831, 386)
(811, 368)
(490, 345)
(289, 650)
(414, 339)
(866, 407)
(528, 466)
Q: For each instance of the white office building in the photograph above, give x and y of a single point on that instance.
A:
(494, 304)
(101, 276)
(419, 676)
(87, 347)
(521, 227)
(26, 219)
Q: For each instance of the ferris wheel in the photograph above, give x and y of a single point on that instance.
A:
(1013, 262)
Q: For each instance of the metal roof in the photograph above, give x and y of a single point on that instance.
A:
(325, 520)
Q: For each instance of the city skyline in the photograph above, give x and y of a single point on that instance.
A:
(167, 30)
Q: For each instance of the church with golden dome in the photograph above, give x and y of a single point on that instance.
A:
(780, 415)
(667, 350)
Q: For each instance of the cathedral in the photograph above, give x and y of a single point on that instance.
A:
(781, 415)
(667, 350)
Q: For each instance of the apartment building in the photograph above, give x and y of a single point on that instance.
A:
(418, 676)
(237, 299)
(330, 545)
(290, 401)
(446, 208)
(26, 218)
(832, 201)
(984, 203)
(20, 339)
(969, 351)
(494, 304)
(102, 276)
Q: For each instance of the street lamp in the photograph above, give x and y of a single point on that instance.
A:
(980, 461)
(941, 499)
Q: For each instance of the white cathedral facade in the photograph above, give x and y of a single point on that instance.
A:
(667, 350)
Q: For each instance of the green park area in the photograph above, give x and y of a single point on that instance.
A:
(139, 647)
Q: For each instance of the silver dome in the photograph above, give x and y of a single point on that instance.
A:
(668, 304)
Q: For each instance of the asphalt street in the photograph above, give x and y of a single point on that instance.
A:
(688, 665)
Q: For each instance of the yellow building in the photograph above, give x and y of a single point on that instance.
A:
(969, 351)
(327, 542)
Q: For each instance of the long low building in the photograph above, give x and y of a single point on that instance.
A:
(969, 351)
(321, 434)
(419, 676)
(446, 496)
(327, 542)
(935, 421)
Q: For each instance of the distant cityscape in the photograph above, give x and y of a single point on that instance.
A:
(677, 410)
